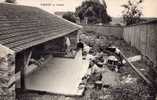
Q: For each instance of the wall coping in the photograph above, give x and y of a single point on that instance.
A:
(106, 25)
(154, 21)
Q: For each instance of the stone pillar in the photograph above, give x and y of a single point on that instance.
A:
(7, 73)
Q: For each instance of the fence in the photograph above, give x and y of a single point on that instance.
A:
(116, 31)
(144, 38)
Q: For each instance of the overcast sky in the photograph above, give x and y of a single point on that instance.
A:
(113, 6)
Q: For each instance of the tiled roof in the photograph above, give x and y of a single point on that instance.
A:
(22, 27)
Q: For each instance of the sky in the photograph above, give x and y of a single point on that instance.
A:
(149, 7)
(114, 8)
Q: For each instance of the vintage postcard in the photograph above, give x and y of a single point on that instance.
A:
(78, 50)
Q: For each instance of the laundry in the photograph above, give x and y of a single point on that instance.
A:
(90, 57)
(112, 60)
(113, 49)
(128, 79)
(96, 69)
(86, 48)
(67, 41)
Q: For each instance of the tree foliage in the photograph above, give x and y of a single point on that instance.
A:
(96, 12)
(132, 12)
(70, 16)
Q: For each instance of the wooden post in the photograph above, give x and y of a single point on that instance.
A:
(26, 60)
(22, 73)
(137, 71)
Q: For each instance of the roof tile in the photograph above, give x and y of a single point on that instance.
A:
(22, 27)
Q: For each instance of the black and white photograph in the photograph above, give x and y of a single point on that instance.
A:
(78, 50)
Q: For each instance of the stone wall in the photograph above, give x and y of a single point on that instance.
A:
(109, 30)
(7, 73)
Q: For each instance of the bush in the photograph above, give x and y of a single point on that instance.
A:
(10, 1)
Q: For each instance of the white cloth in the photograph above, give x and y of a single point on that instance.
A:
(86, 48)
(113, 58)
(117, 51)
(96, 69)
(67, 41)
(90, 57)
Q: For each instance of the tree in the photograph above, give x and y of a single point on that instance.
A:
(94, 11)
(132, 12)
(70, 16)
(10, 1)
